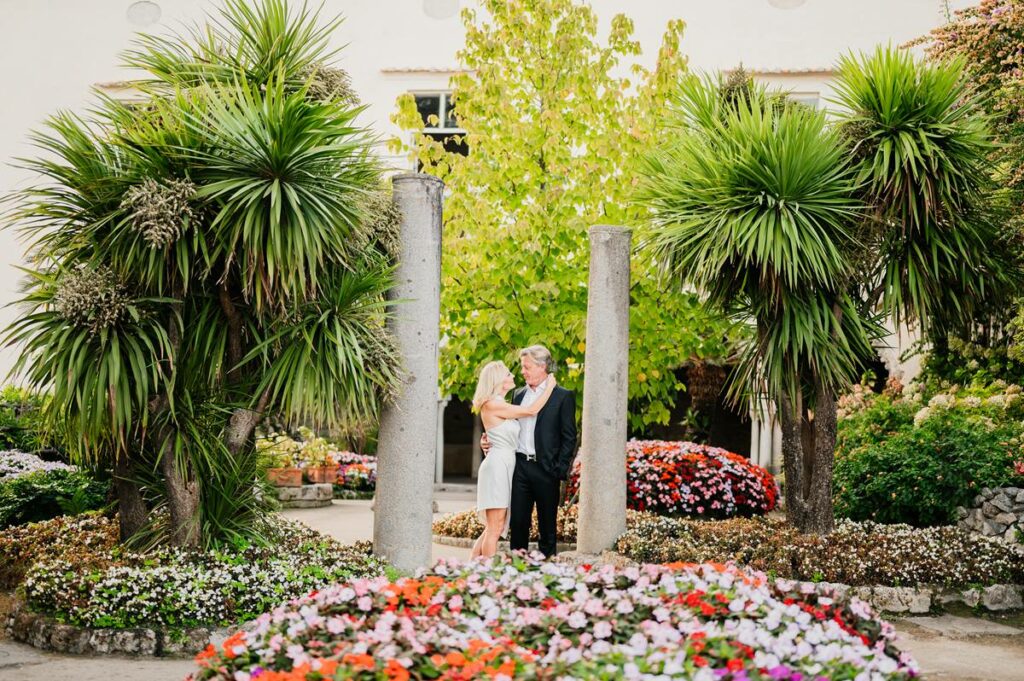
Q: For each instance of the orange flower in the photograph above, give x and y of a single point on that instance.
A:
(207, 653)
(359, 661)
(328, 667)
(455, 659)
(476, 645)
(395, 670)
(229, 644)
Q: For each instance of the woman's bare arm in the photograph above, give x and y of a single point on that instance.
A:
(504, 410)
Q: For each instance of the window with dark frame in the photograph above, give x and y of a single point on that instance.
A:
(438, 114)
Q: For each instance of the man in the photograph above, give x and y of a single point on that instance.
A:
(547, 447)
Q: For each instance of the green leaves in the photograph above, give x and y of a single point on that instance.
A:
(286, 176)
(554, 146)
(334, 362)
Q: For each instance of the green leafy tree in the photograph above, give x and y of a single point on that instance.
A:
(555, 123)
(211, 253)
(813, 231)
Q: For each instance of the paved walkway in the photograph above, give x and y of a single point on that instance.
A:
(948, 648)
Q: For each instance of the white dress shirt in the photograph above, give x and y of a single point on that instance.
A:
(527, 424)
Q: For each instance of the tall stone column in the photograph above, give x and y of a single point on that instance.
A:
(602, 515)
(407, 444)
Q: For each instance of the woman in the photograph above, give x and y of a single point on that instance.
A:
(494, 479)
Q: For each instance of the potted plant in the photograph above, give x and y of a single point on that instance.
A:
(320, 466)
(282, 455)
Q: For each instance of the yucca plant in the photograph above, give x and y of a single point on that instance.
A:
(216, 251)
(813, 230)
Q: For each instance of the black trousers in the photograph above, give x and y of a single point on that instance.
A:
(531, 484)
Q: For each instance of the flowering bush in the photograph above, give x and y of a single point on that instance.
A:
(913, 458)
(858, 554)
(14, 464)
(683, 478)
(87, 580)
(520, 618)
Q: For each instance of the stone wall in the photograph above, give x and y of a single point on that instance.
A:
(307, 496)
(995, 513)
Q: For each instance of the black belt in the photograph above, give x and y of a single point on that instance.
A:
(522, 456)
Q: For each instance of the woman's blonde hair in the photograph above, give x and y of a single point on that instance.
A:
(489, 386)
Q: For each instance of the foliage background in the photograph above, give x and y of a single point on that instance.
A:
(554, 145)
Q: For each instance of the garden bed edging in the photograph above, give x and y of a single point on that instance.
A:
(46, 633)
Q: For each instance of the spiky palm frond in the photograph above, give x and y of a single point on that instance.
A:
(286, 178)
(335, 362)
(753, 203)
(750, 199)
(102, 370)
(921, 143)
(255, 42)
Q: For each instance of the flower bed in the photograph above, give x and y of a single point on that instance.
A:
(687, 479)
(85, 579)
(356, 472)
(857, 554)
(517, 618)
(14, 464)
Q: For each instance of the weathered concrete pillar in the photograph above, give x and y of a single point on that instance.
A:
(605, 391)
(407, 445)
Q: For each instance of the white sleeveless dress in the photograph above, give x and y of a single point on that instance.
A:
(494, 477)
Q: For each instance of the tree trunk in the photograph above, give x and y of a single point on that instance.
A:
(808, 460)
(182, 500)
(790, 410)
(820, 518)
(132, 510)
(242, 424)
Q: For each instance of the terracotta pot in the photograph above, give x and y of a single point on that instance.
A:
(321, 474)
(285, 477)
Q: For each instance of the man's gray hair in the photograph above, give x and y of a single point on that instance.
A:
(540, 355)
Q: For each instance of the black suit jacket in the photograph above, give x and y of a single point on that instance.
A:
(554, 436)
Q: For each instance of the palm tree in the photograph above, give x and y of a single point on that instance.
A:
(214, 252)
(814, 230)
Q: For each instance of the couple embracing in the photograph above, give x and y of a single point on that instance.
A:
(529, 445)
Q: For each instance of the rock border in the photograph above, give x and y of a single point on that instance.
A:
(45, 633)
(888, 599)
(995, 512)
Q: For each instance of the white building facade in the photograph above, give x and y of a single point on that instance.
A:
(53, 53)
